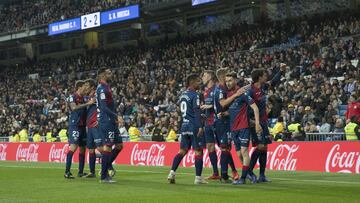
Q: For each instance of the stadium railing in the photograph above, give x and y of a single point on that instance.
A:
(309, 137)
(325, 136)
(4, 139)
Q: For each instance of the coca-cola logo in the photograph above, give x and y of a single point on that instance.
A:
(152, 156)
(189, 158)
(342, 162)
(3, 152)
(282, 158)
(29, 153)
(58, 155)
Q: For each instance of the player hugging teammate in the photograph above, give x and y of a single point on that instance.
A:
(229, 110)
(93, 122)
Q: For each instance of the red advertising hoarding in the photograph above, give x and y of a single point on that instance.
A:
(290, 156)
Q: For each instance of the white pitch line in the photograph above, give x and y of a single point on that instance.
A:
(183, 173)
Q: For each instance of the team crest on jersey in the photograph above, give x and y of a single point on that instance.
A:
(102, 95)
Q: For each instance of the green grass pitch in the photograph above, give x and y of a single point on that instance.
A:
(44, 182)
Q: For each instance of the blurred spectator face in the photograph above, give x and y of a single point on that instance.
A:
(291, 108)
(329, 108)
(339, 123)
(301, 109)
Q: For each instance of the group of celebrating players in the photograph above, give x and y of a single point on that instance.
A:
(93, 123)
(232, 114)
(228, 113)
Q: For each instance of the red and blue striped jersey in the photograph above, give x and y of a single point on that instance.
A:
(209, 100)
(77, 117)
(106, 110)
(91, 119)
(220, 93)
(238, 110)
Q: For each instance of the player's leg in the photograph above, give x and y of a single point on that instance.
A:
(69, 157)
(198, 144)
(221, 135)
(74, 143)
(105, 161)
(234, 172)
(256, 153)
(184, 147)
(262, 160)
(263, 147)
(82, 150)
(235, 137)
(225, 145)
(199, 166)
(210, 145)
(243, 143)
(108, 138)
(115, 151)
(90, 144)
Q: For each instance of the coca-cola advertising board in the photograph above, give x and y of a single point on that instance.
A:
(290, 156)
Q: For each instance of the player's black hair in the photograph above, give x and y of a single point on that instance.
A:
(79, 84)
(191, 78)
(257, 74)
(91, 82)
(232, 74)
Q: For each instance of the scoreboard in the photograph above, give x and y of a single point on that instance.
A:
(93, 20)
(198, 2)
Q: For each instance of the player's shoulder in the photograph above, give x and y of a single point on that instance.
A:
(100, 88)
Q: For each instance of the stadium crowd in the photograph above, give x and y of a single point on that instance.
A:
(40, 13)
(323, 73)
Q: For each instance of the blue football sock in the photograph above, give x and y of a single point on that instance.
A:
(198, 164)
(176, 162)
(262, 161)
(114, 154)
(106, 157)
(231, 161)
(224, 164)
(81, 162)
(69, 157)
(244, 172)
(92, 160)
(253, 160)
(213, 160)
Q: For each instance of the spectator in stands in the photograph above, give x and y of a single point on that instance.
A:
(352, 130)
(325, 126)
(353, 109)
(308, 116)
(37, 137)
(172, 137)
(329, 114)
(299, 114)
(134, 132)
(290, 117)
(339, 128)
(156, 133)
(24, 134)
(296, 131)
(278, 129)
